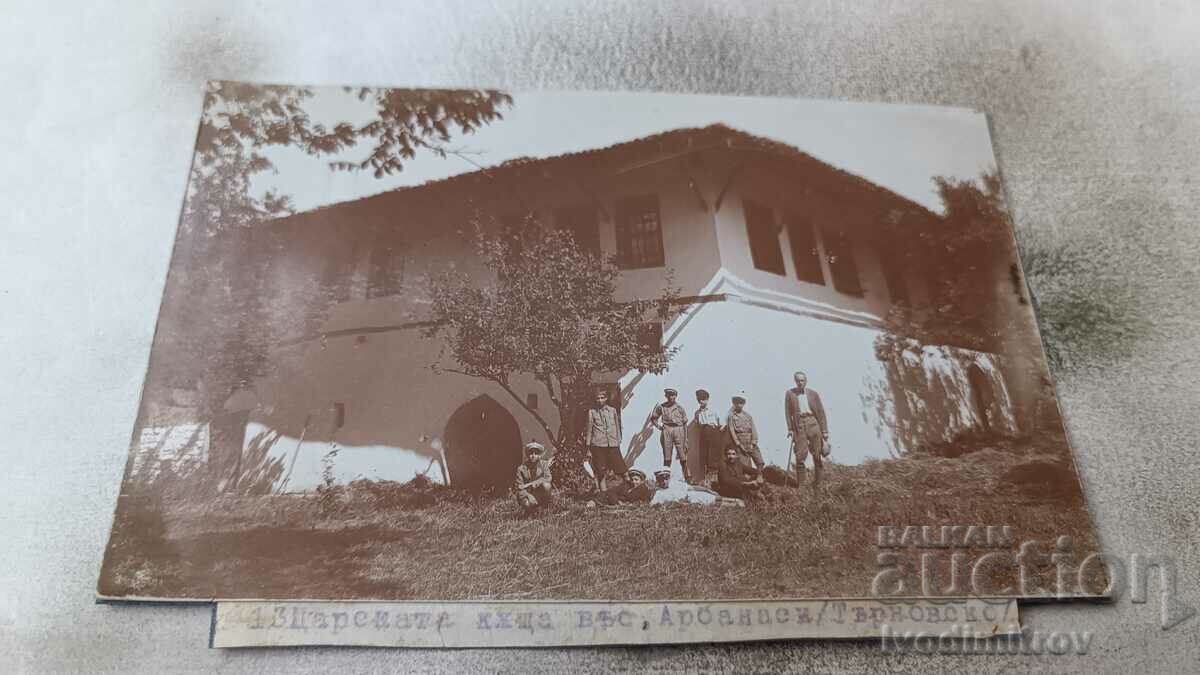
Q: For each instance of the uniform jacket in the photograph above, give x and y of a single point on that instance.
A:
(672, 415)
(603, 427)
(741, 423)
(525, 474)
(791, 408)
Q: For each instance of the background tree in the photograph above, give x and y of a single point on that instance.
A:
(1083, 308)
(217, 320)
(955, 253)
(551, 313)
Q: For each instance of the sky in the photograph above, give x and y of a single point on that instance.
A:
(900, 147)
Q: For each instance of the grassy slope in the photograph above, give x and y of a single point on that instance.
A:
(389, 545)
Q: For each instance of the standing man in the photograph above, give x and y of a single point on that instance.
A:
(532, 483)
(743, 434)
(709, 425)
(602, 436)
(806, 427)
(671, 419)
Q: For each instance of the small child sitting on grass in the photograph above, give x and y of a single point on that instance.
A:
(532, 484)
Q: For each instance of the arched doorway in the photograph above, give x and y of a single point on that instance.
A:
(483, 445)
(981, 395)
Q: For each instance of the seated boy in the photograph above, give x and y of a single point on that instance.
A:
(736, 478)
(633, 491)
(532, 484)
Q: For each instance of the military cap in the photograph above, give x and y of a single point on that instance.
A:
(637, 472)
(534, 445)
(702, 394)
(669, 391)
(662, 471)
(739, 399)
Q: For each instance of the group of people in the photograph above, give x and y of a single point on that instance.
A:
(728, 450)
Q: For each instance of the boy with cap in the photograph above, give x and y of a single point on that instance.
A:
(743, 434)
(671, 419)
(711, 438)
(532, 483)
(602, 437)
(633, 491)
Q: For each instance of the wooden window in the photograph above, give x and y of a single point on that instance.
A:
(805, 254)
(338, 279)
(385, 269)
(581, 221)
(518, 225)
(893, 276)
(639, 233)
(764, 238)
(650, 335)
(839, 251)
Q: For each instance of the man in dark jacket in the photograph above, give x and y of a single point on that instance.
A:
(806, 427)
(737, 478)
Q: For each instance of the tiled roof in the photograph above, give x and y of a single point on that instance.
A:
(657, 147)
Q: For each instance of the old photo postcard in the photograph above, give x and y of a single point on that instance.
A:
(482, 346)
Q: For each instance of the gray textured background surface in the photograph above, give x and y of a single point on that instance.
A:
(1095, 109)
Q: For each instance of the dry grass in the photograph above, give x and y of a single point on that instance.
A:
(376, 541)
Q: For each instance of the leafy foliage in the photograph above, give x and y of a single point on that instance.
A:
(1085, 306)
(551, 313)
(955, 253)
(241, 120)
(218, 318)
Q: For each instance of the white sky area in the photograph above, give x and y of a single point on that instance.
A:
(901, 147)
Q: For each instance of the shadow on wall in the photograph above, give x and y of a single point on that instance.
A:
(932, 395)
(256, 470)
(637, 444)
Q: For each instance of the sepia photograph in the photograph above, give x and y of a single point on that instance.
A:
(452, 345)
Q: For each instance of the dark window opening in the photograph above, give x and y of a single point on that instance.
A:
(338, 280)
(805, 254)
(339, 415)
(517, 227)
(764, 238)
(839, 252)
(639, 233)
(650, 336)
(893, 276)
(531, 400)
(582, 223)
(385, 270)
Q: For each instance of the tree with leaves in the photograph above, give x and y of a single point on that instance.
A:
(550, 313)
(240, 121)
(217, 321)
(960, 253)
